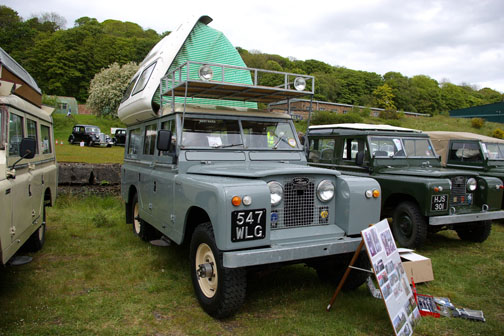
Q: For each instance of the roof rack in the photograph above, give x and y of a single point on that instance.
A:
(228, 82)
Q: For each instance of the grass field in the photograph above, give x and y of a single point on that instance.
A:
(94, 277)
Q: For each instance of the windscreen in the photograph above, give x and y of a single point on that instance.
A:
(269, 135)
(211, 133)
(494, 151)
(396, 147)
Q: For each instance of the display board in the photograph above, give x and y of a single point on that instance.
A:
(391, 278)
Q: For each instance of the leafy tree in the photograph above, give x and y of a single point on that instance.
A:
(384, 97)
(107, 88)
(426, 94)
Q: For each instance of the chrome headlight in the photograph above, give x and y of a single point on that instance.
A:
(205, 73)
(471, 184)
(276, 192)
(325, 191)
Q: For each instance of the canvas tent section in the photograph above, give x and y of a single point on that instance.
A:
(441, 141)
(208, 45)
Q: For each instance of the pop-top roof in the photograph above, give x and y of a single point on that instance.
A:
(445, 135)
(8, 62)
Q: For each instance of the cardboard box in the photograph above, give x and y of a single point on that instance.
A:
(416, 266)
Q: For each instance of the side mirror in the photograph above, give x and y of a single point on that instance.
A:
(359, 158)
(164, 140)
(28, 148)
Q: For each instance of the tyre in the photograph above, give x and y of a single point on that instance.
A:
(37, 239)
(476, 232)
(333, 270)
(219, 290)
(141, 229)
(409, 225)
(71, 139)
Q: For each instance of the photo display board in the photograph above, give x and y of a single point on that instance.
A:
(391, 278)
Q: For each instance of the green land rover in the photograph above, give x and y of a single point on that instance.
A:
(204, 165)
(28, 176)
(417, 193)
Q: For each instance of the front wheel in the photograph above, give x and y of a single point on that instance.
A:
(476, 232)
(409, 225)
(71, 139)
(220, 290)
(37, 239)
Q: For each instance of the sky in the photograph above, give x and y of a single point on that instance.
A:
(460, 41)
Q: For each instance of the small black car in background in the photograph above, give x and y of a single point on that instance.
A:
(90, 135)
(119, 138)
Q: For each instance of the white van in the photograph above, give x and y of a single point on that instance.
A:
(28, 171)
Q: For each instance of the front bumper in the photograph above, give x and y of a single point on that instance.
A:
(466, 218)
(290, 252)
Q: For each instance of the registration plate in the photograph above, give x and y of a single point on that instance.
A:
(439, 202)
(248, 225)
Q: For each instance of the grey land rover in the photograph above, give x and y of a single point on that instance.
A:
(232, 180)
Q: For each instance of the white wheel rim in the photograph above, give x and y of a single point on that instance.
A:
(208, 285)
(41, 232)
(136, 222)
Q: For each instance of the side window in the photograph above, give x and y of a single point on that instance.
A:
(144, 79)
(127, 93)
(150, 139)
(321, 150)
(2, 130)
(135, 141)
(15, 133)
(31, 130)
(350, 149)
(45, 135)
(464, 152)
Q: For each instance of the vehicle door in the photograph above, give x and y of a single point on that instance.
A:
(5, 188)
(163, 177)
(35, 188)
(20, 186)
(352, 155)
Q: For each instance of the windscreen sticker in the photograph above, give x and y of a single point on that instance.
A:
(292, 142)
(214, 141)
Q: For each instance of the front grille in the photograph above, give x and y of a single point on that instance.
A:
(298, 206)
(458, 195)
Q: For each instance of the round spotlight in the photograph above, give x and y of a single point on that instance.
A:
(205, 73)
(299, 83)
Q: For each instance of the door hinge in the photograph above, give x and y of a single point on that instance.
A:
(172, 218)
(13, 230)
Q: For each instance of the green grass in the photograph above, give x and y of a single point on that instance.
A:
(74, 153)
(94, 277)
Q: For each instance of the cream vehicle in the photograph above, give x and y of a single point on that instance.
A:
(28, 173)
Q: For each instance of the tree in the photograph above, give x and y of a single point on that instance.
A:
(384, 97)
(107, 88)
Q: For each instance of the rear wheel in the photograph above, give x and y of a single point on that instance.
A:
(474, 232)
(37, 239)
(333, 270)
(220, 290)
(141, 229)
(409, 225)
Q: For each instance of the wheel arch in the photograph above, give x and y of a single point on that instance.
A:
(194, 217)
(393, 201)
(129, 214)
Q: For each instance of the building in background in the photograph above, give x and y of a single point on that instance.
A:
(65, 105)
(299, 108)
(490, 112)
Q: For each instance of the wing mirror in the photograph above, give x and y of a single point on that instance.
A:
(27, 150)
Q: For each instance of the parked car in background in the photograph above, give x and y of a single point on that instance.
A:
(232, 182)
(475, 152)
(28, 172)
(90, 135)
(418, 194)
(119, 138)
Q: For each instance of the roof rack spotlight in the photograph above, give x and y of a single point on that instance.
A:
(205, 72)
(299, 83)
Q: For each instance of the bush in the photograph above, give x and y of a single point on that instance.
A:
(328, 117)
(477, 122)
(389, 115)
(498, 133)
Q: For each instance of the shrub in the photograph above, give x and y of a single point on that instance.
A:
(498, 133)
(389, 115)
(328, 117)
(477, 122)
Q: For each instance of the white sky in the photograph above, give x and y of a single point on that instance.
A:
(461, 41)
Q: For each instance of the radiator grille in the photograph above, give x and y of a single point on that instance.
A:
(298, 206)
(458, 195)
